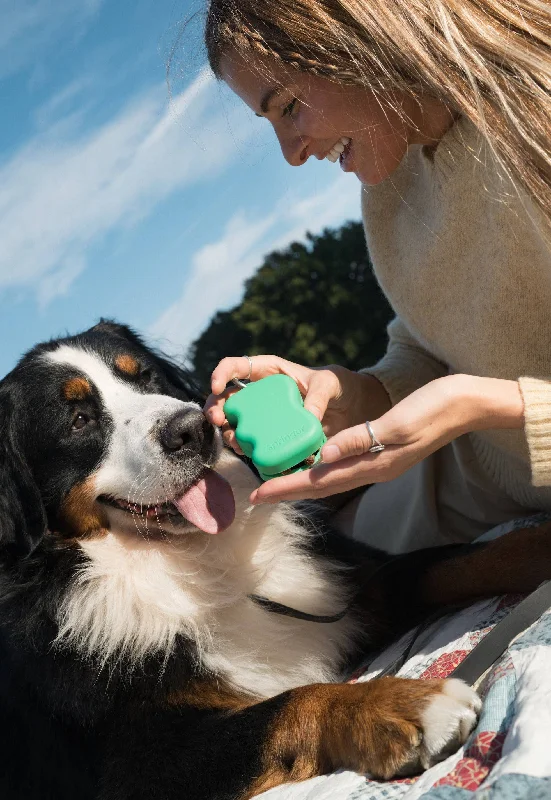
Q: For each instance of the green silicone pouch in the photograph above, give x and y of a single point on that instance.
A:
(273, 428)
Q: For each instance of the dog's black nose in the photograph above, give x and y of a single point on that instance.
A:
(184, 431)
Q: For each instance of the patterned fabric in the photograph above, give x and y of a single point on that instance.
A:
(508, 755)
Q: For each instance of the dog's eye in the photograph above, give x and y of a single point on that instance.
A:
(80, 421)
(145, 377)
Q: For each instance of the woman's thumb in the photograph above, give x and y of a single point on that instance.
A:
(320, 391)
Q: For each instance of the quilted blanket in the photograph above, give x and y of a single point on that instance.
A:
(508, 755)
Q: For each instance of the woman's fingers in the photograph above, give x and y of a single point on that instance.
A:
(321, 481)
(259, 367)
(214, 406)
(351, 442)
(240, 367)
(230, 439)
(227, 370)
(323, 386)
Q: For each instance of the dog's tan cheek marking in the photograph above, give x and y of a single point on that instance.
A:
(366, 727)
(127, 365)
(81, 516)
(76, 389)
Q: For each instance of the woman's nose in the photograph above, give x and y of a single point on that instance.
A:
(295, 149)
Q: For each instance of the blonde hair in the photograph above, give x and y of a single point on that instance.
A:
(489, 60)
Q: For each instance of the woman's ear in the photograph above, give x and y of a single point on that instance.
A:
(22, 515)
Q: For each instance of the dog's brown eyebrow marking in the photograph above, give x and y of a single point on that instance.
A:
(76, 389)
(128, 365)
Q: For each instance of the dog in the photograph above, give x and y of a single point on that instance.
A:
(159, 636)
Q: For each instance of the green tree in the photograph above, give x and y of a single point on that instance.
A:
(315, 303)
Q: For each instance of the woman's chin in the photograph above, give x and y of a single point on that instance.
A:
(370, 174)
(370, 177)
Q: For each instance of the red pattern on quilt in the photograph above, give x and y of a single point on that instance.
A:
(475, 766)
(475, 637)
(444, 664)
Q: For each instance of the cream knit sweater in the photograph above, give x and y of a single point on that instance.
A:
(464, 262)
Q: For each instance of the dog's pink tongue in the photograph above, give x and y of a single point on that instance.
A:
(209, 504)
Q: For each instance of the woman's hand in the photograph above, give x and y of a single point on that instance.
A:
(419, 425)
(337, 396)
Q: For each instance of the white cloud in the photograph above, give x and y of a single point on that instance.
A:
(62, 100)
(218, 270)
(58, 198)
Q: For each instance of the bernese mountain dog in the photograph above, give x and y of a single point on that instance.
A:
(159, 637)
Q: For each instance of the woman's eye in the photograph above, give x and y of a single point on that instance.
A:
(288, 110)
(80, 421)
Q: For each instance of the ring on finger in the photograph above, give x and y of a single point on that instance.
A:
(249, 359)
(239, 382)
(375, 445)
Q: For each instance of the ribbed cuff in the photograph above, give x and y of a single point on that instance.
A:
(536, 394)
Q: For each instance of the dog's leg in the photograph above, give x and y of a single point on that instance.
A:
(410, 586)
(384, 727)
(515, 563)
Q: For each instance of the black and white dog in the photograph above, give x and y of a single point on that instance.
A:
(136, 659)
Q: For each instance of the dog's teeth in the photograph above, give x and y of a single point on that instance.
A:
(339, 147)
(345, 140)
(332, 156)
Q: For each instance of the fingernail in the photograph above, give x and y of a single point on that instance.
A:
(331, 452)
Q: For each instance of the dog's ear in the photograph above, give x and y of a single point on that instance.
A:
(114, 328)
(180, 379)
(22, 515)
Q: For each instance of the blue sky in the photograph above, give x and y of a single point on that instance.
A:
(119, 198)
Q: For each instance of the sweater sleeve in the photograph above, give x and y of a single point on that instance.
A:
(536, 394)
(406, 365)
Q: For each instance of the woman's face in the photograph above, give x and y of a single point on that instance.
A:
(311, 114)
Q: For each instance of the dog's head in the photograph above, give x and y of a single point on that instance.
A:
(98, 432)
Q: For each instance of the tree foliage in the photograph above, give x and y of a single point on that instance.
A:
(316, 303)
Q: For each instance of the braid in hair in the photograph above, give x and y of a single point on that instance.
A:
(299, 61)
(230, 32)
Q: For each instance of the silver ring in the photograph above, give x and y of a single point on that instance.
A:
(376, 446)
(237, 381)
(249, 359)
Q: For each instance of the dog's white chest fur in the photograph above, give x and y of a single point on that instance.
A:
(136, 596)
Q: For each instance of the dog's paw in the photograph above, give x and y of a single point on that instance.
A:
(447, 721)
(414, 724)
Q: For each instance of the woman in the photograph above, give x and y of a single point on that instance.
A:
(443, 111)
